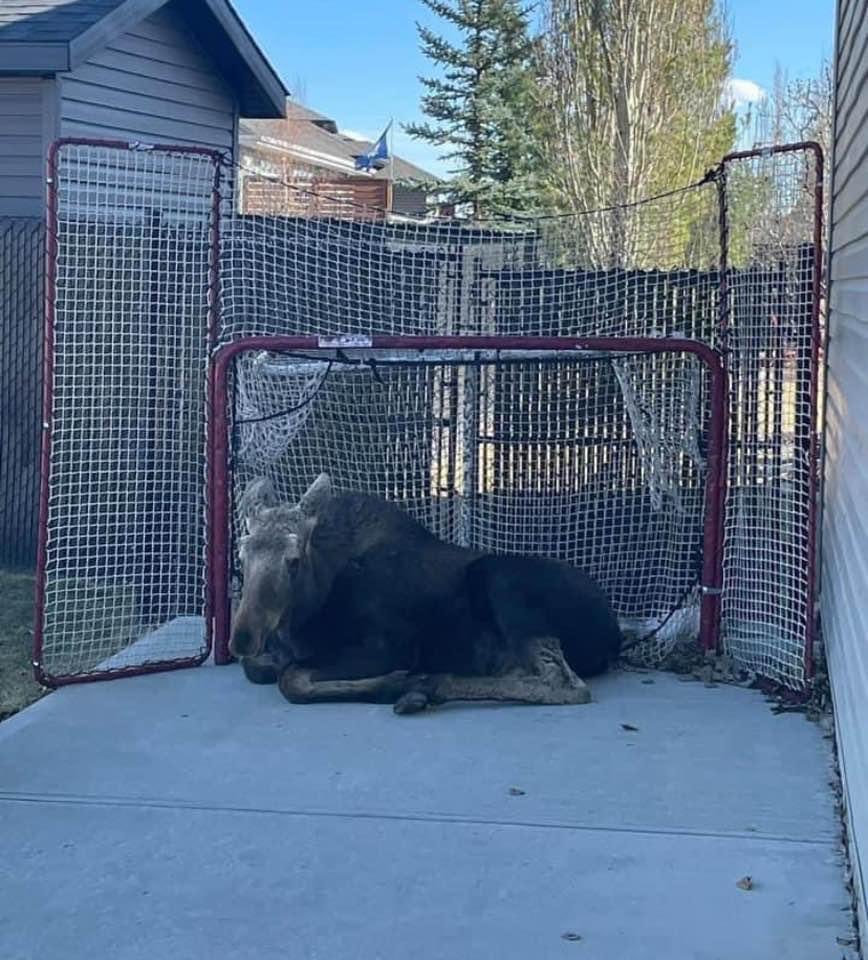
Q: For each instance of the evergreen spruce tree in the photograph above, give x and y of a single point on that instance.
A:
(480, 106)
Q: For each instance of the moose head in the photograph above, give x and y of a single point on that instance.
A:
(272, 552)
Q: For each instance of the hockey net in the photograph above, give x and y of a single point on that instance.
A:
(596, 457)
(153, 270)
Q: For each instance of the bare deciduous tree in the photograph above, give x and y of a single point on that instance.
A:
(776, 197)
(632, 99)
(795, 110)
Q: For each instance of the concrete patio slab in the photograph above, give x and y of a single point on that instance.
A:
(194, 815)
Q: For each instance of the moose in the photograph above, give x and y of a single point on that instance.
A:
(347, 598)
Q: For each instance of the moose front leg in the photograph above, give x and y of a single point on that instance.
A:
(302, 685)
(549, 681)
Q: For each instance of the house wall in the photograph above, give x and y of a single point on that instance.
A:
(27, 122)
(845, 535)
(153, 84)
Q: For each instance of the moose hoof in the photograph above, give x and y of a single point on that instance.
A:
(413, 702)
(259, 669)
(580, 695)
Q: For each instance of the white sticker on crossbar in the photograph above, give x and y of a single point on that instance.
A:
(344, 340)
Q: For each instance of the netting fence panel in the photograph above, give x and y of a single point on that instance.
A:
(772, 337)
(730, 262)
(606, 460)
(536, 278)
(121, 583)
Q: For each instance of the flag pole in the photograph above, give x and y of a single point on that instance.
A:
(391, 178)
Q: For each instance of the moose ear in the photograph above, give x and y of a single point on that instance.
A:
(317, 495)
(258, 495)
(252, 518)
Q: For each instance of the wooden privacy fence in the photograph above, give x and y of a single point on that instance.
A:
(354, 198)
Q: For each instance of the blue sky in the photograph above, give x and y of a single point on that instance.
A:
(359, 62)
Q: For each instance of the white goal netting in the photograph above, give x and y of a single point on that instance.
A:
(593, 459)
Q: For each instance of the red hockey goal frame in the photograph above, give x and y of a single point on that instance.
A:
(220, 523)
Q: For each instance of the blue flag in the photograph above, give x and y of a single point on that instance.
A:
(378, 153)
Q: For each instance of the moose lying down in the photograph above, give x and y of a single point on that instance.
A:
(345, 597)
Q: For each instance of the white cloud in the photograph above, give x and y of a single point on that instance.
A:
(742, 92)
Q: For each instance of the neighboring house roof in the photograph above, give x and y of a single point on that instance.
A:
(316, 139)
(297, 111)
(55, 36)
(401, 169)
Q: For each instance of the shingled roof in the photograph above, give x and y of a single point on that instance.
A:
(55, 36)
(51, 21)
(317, 138)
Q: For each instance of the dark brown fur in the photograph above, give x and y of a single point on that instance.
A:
(355, 600)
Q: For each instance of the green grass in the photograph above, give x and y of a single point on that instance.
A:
(17, 686)
(87, 621)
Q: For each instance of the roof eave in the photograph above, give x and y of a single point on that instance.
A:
(21, 57)
(305, 154)
(113, 24)
(266, 96)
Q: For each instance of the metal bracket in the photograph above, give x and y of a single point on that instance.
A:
(711, 591)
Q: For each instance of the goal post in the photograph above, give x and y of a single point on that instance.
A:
(606, 452)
